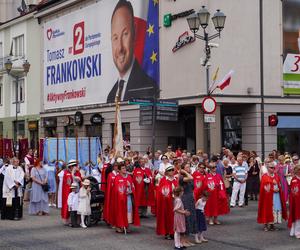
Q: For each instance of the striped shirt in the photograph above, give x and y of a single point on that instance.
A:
(240, 172)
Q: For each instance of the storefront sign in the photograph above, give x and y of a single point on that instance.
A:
(32, 125)
(78, 118)
(79, 54)
(183, 40)
(291, 74)
(168, 18)
(50, 122)
(96, 119)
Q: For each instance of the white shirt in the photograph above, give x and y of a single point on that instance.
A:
(73, 201)
(125, 78)
(11, 175)
(200, 204)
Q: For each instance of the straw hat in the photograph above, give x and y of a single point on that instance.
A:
(72, 163)
(168, 168)
(74, 185)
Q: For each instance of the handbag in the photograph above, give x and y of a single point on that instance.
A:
(45, 186)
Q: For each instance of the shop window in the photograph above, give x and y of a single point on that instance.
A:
(70, 131)
(20, 129)
(50, 132)
(1, 90)
(1, 129)
(125, 132)
(232, 132)
(93, 131)
(288, 134)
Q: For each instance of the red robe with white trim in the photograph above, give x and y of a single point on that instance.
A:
(107, 211)
(144, 191)
(294, 201)
(265, 205)
(200, 184)
(66, 190)
(165, 207)
(121, 186)
(217, 203)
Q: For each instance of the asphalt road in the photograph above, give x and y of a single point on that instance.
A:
(239, 230)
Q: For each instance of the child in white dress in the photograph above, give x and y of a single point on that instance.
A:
(84, 208)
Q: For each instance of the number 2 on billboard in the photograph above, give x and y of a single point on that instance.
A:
(78, 38)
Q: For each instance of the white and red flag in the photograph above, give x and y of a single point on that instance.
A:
(225, 81)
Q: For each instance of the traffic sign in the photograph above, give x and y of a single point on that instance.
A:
(209, 118)
(209, 105)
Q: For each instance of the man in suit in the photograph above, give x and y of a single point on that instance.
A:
(132, 81)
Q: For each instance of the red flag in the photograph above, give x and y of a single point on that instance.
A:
(225, 81)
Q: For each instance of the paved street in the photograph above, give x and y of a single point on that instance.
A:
(238, 231)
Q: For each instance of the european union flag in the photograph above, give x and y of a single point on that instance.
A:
(151, 50)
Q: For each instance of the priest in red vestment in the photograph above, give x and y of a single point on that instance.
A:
(71, 174)
(107, 211)
(294, 216)
(144, 187)
(271, 206)
(200, 182)
(217, 203)
(164, 204)
(123, 206)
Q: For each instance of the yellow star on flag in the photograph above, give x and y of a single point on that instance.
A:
(153, 57)
(150, 29)
(155, 2)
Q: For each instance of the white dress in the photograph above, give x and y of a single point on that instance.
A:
(59, 193)
(84, 207)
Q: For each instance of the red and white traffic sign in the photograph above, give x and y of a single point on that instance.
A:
(209, 105)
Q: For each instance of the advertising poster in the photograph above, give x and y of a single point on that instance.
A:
(106, 49)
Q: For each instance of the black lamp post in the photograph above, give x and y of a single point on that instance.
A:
(202, 19)
(16, 73)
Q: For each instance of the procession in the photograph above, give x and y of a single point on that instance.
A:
(186, 193)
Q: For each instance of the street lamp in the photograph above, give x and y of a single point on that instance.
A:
(202, 19)
(16, 73)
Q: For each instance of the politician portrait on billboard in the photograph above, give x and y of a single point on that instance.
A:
(95, 53)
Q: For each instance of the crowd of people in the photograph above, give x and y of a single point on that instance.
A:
(183, 191)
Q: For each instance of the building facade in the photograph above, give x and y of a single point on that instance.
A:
(19, 117)
(254, 43)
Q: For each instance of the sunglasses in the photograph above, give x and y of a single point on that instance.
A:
(213, 167)
(171, 170)
(272, 167)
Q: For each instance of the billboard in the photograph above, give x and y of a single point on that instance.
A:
(291, 47)
(101, 51)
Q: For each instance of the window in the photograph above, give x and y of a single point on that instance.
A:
(232, 132)
(20, 129)
(69, 131)
(18, 46)
(125, 131)
(93, 131)
(1, 56)
(21, 91)
(1, 90)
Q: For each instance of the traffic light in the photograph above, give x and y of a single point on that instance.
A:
(273, 120)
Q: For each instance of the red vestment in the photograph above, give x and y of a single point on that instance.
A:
(200, 184)
(107, 213)
(294, 201)
(103, 178)
(144, 191)
(122, 187)
(164, 206)
(217, 203)
(265, 205)
(66, 190)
